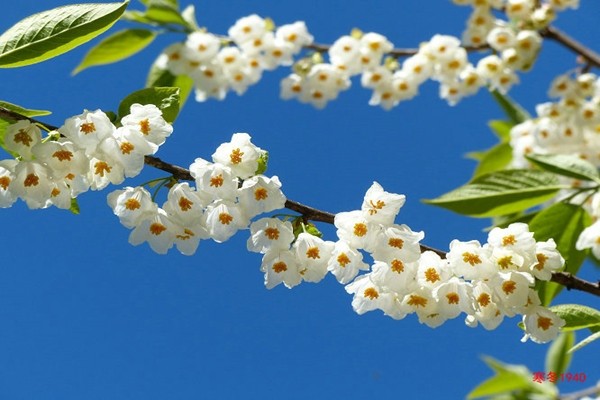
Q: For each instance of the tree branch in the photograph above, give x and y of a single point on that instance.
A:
(591, 57)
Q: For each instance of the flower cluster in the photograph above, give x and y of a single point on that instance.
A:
(87, 152)
(568, 126)
(485, 282)
(524, 15)
(219, 65)
(228, 193)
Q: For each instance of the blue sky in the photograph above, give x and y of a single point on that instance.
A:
(85, 315)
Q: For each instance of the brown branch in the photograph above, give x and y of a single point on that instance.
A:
(561, 37)
(323, 48)
(571, 282)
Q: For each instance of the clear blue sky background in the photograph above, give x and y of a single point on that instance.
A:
(84, 315)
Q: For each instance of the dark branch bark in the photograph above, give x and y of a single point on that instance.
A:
(590, 56)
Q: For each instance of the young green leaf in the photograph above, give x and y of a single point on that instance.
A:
(189, 15)
(165, 12)
(165, 98)
(566, 165)
(495, 159)
(74, 206)
(563, 223)
(499, 193)
(159, 77)
(23, 111)
(558, 357)
(501, 129)
(117, 47)
(515, 113)
(508, 378)
(48, 34)
(577, 316)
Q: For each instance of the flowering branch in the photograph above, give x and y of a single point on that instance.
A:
(564, 278)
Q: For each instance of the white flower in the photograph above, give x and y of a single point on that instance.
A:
(512, 289)
(501, 38)
(104, 170)
(247, 28)
(62, 157)
(224, 219)
(345, 262)
(148, 121)
(127, 149)
(470, 260)
(20, 138)
(7, 197)
(548, 258)
(32, 183)
(432, 271)
(313, 255)
(419, 67)
(356, 230)
(397, 242)
(280, 266)
(158, 231)
(590, 238)
(201, 46)
(397, 276)
(260, 194)
(541, 325)
(268, 234)
(132, 205)
(440, 47)
(240, 154)
(216, 180)
(209, 81)
(345, 53)
(486, 309)
(516, 237)
(380, 206)
(453, 297)
(185, 205)
(296, 34)
(87, 130)
(368, 296)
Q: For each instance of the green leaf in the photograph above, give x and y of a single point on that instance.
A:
(50, 33)
(558, 358)
(165, 98)
(117, 47)
(74, 206)
(500, 193)
(4, 123)
(577, 316)
(566, 165)
(508, 378)
(495, 159)
(23, 111)
(263, 163)
(158, 77)
(585, 342)
(501, 129)
(165, 12)
(563, 223)
(515, 113)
